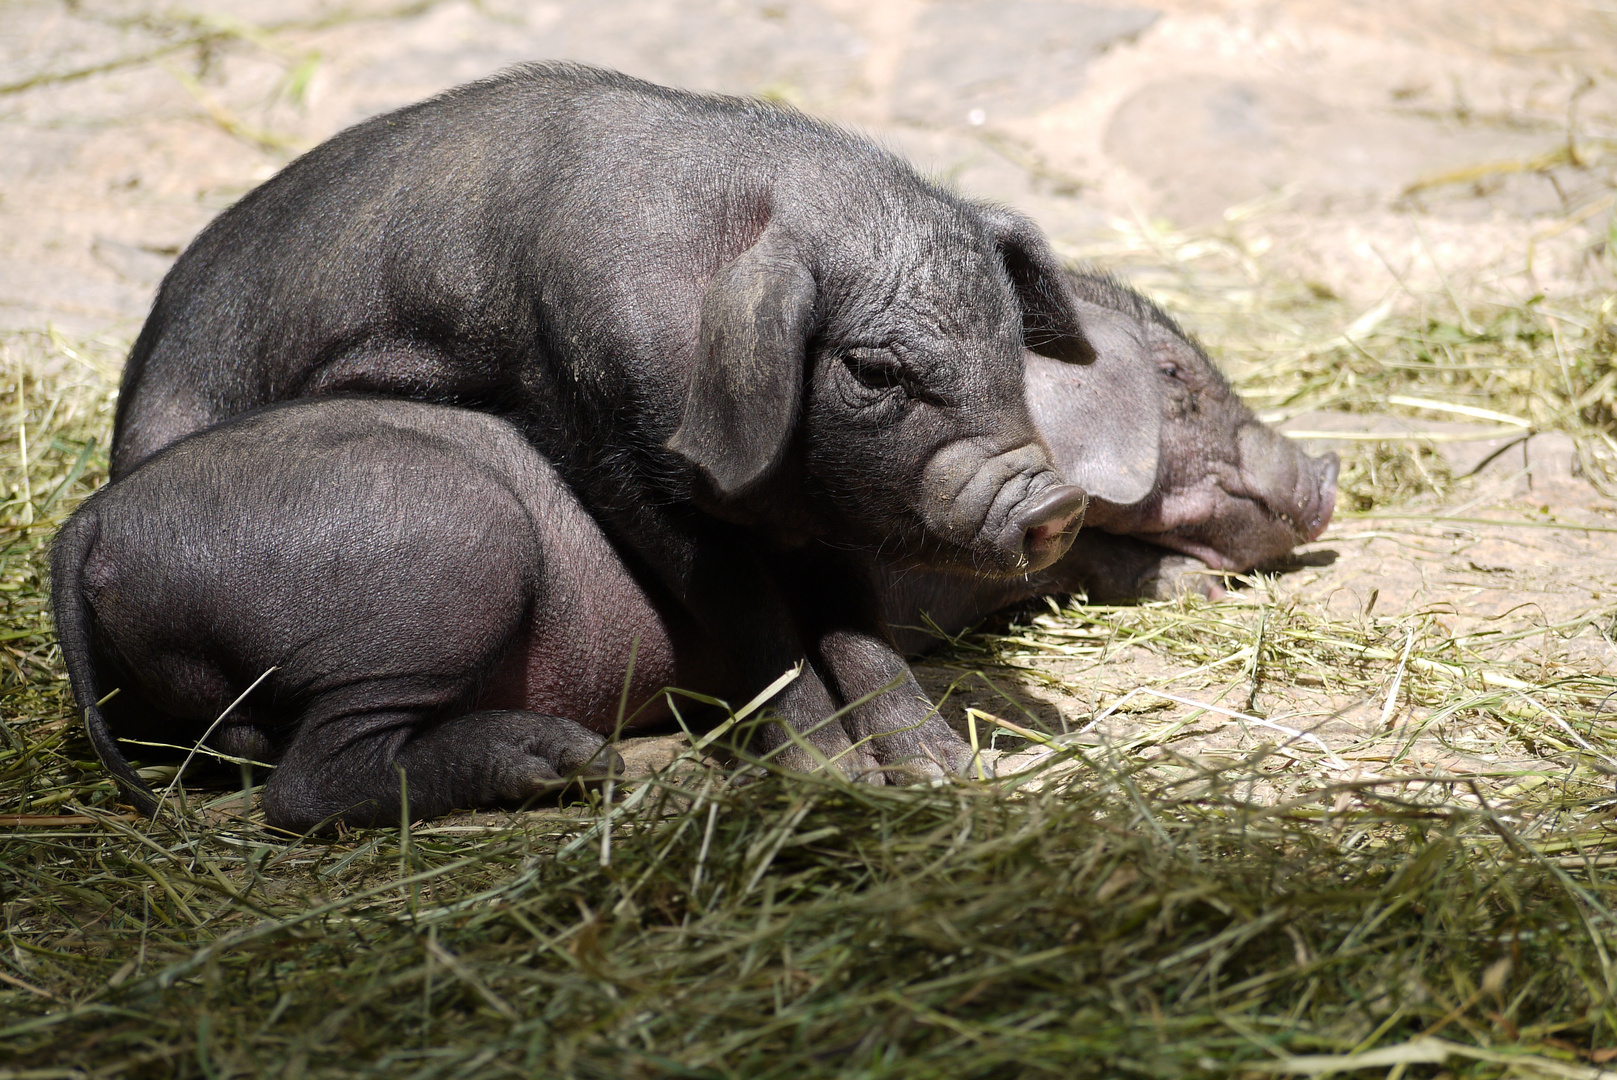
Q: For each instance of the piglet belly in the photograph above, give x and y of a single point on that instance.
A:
(575, 662)
(582, 676)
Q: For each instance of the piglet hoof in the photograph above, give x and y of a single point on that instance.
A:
(748, 775)
(552, 754)
(854, 762)
(928, 754)
(1182, 575)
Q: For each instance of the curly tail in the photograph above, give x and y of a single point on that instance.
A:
(69, 552)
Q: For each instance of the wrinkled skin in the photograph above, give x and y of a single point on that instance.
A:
(431, 595)
(758, 348)
(1223, 493)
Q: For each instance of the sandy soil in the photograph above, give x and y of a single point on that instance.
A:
(1352, 144)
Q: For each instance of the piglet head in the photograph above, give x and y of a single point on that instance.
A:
(867, 386)
(1229, 489)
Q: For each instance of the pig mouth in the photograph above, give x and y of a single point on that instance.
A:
(1268, 532)
(1196, 549)
(1283, 534)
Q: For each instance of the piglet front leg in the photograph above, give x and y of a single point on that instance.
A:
(898, 726)
(889, 716)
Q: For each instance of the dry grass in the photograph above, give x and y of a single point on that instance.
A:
(1103, 925)
(1134, 902)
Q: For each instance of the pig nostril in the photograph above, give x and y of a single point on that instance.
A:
(1326, 505)
(1327, 482)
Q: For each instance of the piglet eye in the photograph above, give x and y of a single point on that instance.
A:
(1170, 370)
(874, 369)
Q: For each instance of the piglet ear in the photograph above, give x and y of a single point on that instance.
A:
(1103, 420)
(1051, 323)
(747, 385)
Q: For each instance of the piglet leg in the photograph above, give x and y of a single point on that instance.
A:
(899, 726)
(803, 733)
(737, 597)
(889, 716)
(347, 768)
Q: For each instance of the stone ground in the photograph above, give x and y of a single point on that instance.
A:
(1370, 154)
(1360, 147)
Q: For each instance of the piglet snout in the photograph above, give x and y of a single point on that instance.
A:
(1044, 527)
(1297, 489)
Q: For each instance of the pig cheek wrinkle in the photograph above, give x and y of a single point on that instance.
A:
(858, 455)
(939, 494)
(969, 494)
